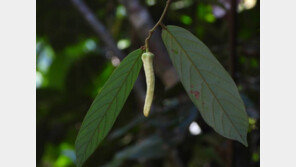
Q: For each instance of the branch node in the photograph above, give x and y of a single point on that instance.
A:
(151, 31)
(163, 26)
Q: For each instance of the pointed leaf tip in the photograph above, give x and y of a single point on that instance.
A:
(207, 83)
(106, 106)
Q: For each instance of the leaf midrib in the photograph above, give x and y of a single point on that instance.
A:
(111, 103)
(204, 82)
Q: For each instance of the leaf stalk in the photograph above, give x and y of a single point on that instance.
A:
(151, 31)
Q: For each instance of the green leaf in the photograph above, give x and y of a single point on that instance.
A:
(207, 83)
(107, 105)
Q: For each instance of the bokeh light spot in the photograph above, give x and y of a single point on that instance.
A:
(185, 19)
(194, 128)
(123, 44)
(90, 45)
(150, 2)
(120, 11)
(39, 79)
(115, 61)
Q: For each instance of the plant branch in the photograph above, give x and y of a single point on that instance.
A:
(98, 27)
(156, 25)
(106, 37)
(141, 21)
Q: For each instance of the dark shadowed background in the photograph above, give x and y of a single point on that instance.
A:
(79, 44)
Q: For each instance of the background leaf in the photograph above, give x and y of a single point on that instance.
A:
(150, 148)
(106, 106)
(207, 83)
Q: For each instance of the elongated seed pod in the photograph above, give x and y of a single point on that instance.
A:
(147, 59)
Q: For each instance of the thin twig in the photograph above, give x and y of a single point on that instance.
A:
(162, 26)
(106, 37)
(141, 20)
(98, 27)
(151, 31)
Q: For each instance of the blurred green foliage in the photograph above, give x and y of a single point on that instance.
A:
(72, 66)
